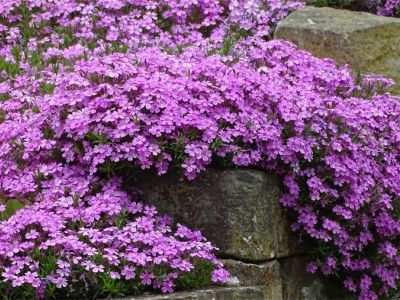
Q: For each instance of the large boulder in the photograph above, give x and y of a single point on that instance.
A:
(368, 43)
(237, 210)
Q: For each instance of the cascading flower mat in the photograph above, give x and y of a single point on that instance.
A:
(83, 104)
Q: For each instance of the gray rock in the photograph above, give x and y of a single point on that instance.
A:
(222, 293)
(368, 43)
(285, 279)
(247, 274)
(237, 210)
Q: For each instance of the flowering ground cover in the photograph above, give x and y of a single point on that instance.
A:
(90, 89)
(389, 8)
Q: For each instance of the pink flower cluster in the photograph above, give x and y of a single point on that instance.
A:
(78, 225)
(389, 8)
(145, 85)
(131, 22)
(51, 26)
(95, 234)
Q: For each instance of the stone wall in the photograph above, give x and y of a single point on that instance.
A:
(239, 212)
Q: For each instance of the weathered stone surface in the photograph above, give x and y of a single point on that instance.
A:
(247, 274)
(237, 210)
(285, 279)
(368, 43)
(230, 293)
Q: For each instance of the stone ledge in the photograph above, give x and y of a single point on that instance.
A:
(218, 293)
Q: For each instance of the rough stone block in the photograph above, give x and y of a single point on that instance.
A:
(237, 210)
(368, 43)
(247, 274)
(285, 279)
(230, 293)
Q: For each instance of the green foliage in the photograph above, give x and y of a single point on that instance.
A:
(16, 52)
(2, 115)
(67, 33)
(96, 138)
(199, 277)
(4, 97)
(236, 34)
(12, 69)
(121, 220)
(48, 133)
(47, 88)
(11, 207)
(36, 58)
(120, 48)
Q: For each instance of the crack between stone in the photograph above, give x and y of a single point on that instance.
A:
(261, 262)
